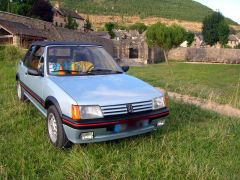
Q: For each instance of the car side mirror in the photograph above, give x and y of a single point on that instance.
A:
(34, 72)
(125, 68)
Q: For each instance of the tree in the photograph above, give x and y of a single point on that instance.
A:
(110, 27)
(140, 27)
(71, 23)
(21, 7)
(165, 37)
(223, 33)
(211, 27)
(43, 10)
(178, 35)
(189, 38)
(88, 24)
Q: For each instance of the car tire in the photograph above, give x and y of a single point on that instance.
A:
(55, 129)
(20, 92)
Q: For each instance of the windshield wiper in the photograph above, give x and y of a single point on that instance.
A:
(68, 71)
(104, 70)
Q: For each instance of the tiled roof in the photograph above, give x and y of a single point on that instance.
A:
(233, 38)
(20, 29)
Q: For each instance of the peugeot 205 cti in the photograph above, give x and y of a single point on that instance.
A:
(85, 96)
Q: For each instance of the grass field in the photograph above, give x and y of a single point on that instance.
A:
(194, 144)
(216, 82)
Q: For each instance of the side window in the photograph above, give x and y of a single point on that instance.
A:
(26, 59)
(33, 57)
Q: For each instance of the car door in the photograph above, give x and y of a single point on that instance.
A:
(34, 84)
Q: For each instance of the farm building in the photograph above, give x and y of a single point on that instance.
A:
(22, 31)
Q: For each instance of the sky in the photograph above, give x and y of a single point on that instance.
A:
(229, 8)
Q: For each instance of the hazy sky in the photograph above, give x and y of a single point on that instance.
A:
(229, 8)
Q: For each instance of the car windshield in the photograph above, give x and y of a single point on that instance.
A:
(80, 60)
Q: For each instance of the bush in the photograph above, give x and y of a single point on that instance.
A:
(10, 53)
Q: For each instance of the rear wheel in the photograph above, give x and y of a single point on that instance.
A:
(55, 129)
(20, 92)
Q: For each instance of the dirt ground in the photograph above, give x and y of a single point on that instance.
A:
(205, 104)
(100, 20)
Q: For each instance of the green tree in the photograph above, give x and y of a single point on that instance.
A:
(110, 27)
(165, 37)
(71, 23)
(21, 7)
(88, 24)
(223, 33)
(210, 28)
(140, 27)
(178, 34)
(189, 38)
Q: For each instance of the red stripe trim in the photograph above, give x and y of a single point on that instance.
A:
(115, 122)
(34, 95)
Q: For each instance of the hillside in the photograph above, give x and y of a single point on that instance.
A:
(171, 9)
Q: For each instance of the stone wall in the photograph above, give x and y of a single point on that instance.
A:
(210, 55)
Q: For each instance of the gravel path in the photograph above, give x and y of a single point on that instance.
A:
(204, 104)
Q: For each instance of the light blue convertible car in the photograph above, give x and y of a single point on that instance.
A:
(85, 95)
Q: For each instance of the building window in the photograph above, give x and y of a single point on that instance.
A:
(133, 53)
(56, 23)
(61, 25)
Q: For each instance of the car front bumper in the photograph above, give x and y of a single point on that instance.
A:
(104, 131)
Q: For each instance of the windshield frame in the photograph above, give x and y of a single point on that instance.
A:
(90, 74)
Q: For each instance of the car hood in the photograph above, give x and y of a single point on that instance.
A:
(106, 89)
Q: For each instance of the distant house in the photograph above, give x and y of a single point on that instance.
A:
(198, 41)
(60, 17)
(233, 40)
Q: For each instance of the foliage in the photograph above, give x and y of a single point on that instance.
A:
(214, 29)
(140, 27)
(43, 10)
(71, 23)
(223, 32)
(110, 27)
(178, 35)
(172, 9)
(21, 7)
(10, 53)
(189, 38)
(237, 47)
(165, 37)
(88, 24)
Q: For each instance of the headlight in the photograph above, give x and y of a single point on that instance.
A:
(86, 112)
(159, 102)
(90, 112)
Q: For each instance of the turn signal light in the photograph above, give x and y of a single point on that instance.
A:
(75, 112)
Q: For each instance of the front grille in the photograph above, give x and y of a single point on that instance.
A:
(122, 108)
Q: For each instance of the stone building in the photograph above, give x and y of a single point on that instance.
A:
(22, 31)
(198, 41)
(131, 48)
(60, 17)
(233, 41)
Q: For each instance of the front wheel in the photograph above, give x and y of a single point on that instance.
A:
(20, 92)
(55, 129)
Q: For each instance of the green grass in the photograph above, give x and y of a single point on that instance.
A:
(194, 144)
(215, 82)
(171, 9)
